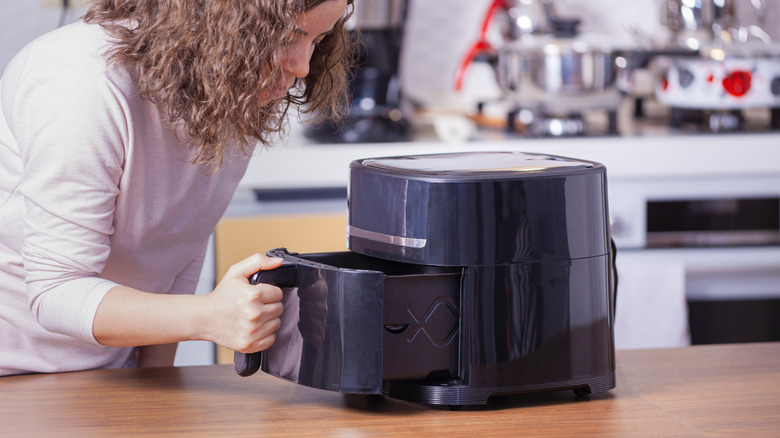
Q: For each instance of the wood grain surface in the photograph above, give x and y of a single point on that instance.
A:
(725, 390)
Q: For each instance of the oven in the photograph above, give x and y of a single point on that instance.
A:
(698, 259)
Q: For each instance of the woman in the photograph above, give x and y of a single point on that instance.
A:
(122, 139)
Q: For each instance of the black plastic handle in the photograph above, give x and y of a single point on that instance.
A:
(247, 364)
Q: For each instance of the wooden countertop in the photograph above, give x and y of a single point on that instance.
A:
(726, 390)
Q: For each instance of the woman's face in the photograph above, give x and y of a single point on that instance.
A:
(313, 26)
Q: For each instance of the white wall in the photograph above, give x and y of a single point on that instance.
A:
(22, 21)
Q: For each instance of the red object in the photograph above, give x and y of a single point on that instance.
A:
(475, 50)
(737, 83)
(497, 4)
(481, 46)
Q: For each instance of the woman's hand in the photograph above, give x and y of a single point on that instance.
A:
(241, 316)
(236, 314)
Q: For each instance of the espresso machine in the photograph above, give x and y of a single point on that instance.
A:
(468, 275)
(375, 113)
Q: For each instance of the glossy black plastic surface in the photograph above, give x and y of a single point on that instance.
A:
(522, 328)
(469, 275)
(486, 216)
(415, 307)
(445, 335)
(540, 322)
(329, 337)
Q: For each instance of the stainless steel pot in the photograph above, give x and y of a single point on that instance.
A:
(549, 77)
(551, 70)
(528, 17)
(555, 67)
(696, 24)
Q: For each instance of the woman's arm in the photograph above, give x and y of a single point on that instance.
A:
(236, 314)
(161, 355)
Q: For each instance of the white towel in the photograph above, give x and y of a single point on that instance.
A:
(652, 310)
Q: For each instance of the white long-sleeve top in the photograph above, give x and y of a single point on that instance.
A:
(95, 191)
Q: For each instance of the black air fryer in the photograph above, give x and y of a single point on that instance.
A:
(469, 275)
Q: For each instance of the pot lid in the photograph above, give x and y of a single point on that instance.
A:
(479, 164)
(552, 45)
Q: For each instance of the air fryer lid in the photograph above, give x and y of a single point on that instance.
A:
(471, 208)
(474, 164)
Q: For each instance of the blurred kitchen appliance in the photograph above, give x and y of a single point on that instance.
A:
(724, 232)
(696, 24)
(375, 113)
(469, 275)
(548, 71)
(737, 67)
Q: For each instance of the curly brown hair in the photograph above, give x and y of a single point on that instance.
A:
(204, 63)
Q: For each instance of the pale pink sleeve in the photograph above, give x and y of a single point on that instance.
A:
(186, 282)
(71, 131)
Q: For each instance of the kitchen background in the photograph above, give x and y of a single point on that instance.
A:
(439, 31)
(647, 167)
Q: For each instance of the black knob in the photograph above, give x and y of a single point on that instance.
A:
(686, 77)
(566, 27)
(775, 86)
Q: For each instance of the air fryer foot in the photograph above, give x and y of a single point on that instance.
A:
(461, 395)
(583, 392)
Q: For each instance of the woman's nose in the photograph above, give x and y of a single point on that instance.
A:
(296, 61)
